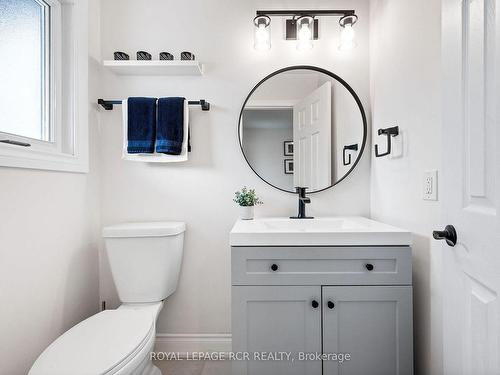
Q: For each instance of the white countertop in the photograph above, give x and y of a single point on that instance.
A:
(323, 231)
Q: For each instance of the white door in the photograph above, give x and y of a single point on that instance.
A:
(371, 323)
(312, 135)
(276, 319)
(471, 186)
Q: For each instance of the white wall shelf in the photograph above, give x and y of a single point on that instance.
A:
(155, 67)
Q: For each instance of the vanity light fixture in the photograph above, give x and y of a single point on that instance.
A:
(347, 33)
(262, 33)
(303, 27)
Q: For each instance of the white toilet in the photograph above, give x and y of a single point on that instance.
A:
(145, 261)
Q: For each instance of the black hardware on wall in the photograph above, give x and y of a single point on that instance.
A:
(108, 104)
(353, 147)
(389, 132)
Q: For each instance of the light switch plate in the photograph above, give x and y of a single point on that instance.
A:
(430, 185)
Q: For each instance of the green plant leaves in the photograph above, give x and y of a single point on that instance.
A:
(246, 197)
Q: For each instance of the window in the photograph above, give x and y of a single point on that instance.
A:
(24, 97)
(43, 75)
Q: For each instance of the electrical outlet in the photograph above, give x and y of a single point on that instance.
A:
(430, 185)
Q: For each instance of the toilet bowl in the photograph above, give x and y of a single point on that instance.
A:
(145, 260)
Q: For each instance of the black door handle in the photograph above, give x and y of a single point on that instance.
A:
(449, 234)
(315, 304)
(274, 267)
(330, 305)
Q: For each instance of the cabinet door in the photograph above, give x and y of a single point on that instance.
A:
(371, 323)
(275, 319)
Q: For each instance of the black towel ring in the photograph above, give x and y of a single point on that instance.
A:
(353, 147)
(389, 132)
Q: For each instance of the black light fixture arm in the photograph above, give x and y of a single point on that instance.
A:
(389, 132)
(109, 104)
(306, 12)
(347, 16)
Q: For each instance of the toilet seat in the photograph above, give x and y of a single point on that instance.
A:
(100, 345)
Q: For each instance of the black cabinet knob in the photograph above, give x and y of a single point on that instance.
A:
(314, 304)
(274, 267)
(369, 266)
(330, 305)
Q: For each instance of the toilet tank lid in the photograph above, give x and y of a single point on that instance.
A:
(152, 229)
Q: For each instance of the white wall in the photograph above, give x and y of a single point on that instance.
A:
(347, 129)
(264, 150)
(405, 91)
(200, 191)
(48, 255)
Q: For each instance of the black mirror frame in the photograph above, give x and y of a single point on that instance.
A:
(334, 76)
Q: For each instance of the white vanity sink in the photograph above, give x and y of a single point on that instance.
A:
(327, 231)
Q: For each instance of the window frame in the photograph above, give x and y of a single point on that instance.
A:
(66, 118)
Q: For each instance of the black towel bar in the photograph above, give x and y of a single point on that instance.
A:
(108, 104)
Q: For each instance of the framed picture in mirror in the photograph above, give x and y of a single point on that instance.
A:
(288, 148)
(288, 166)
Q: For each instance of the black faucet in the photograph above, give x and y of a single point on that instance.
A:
(303, 200)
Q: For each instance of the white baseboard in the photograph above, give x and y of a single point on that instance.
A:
(183, 343)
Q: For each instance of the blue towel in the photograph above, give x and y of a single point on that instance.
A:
(141, 125)
(170, 129)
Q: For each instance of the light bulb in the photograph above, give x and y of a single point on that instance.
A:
(304, 33)
(347, 33)
(262, 34)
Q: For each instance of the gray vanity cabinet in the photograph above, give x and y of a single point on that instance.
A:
(348, 300)
(371, 323)
(277, 319)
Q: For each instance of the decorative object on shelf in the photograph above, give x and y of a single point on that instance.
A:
(353, 147)
(247, 200)
(187, 55)
(303, 27)
(143, 55)
(108, 104)
(389, 132)
(288, 148)
(288, 164)
(121, 56)
(166, 56)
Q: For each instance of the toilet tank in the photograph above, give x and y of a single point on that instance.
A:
(145, 259)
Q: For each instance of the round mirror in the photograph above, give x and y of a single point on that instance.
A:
(302, 126)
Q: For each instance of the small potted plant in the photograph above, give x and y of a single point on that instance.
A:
(247, 200)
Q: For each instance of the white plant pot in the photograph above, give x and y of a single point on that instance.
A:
(246, 212)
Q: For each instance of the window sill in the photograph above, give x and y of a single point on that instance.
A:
(15, 157)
